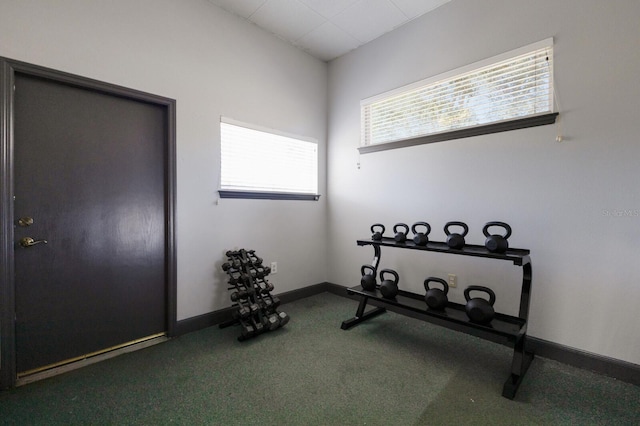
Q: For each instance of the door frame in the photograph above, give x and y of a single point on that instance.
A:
(8, 69)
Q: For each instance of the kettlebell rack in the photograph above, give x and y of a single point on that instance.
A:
(505, 329)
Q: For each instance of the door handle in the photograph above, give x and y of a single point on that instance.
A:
(28, 242)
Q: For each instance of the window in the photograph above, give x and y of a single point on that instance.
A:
(509, 91)
(261, 163)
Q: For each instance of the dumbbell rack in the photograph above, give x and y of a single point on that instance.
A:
(505, 329)
(255, 307)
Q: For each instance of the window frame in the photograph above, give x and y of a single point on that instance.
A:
(260, 194)
(473, 130)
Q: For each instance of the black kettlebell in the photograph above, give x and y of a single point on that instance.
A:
(436, 298)
(377, 235)
(455, 240)
(368, 280)
(421, 238)
(479, 310)
(389, 288)
(400, 236)
(496, 243)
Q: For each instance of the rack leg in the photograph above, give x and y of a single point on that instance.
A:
(521, 362)
(361, 315)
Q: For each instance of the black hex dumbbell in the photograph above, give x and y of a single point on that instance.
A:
(238, 278)
(243, 311)
(270, 302)
(264, 286)
(273, 321)
(284, 318)
(247, 306)
(240, 294)
(256, 321)
(246, 330)
(253, 258)
(232, 254)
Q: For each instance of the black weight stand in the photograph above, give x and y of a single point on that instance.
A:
(506, 329)
(255, 307)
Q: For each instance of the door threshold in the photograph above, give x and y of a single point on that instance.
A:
(65, 366)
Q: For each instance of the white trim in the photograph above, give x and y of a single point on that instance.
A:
(444, 132)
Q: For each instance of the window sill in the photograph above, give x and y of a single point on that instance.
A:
(254, 195)
(538, 120)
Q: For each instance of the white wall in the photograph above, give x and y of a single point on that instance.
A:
(586, 272)
(213, 64)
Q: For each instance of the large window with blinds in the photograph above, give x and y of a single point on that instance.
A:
(506, 92)
(266, 164)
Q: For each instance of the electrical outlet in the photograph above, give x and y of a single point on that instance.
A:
(274, 267)
(453, 280)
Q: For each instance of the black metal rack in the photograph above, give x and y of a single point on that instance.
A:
(505, 329)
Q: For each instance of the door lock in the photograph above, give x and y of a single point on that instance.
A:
(25, 221)
(28, 242)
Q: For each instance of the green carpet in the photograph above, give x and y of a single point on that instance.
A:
(391, 370)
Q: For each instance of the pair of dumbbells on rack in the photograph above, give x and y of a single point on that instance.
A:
(249, 263)
(256, 310)
(478, 310)
(495, 243)
(256, 318)
(246, 312)
(263, 300)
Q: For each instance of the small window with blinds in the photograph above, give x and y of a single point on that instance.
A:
(506, 92)
(266, 164)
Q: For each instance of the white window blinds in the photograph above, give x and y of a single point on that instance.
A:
(511, 86)
(257, 160)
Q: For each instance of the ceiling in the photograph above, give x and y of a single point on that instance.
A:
(327, 29)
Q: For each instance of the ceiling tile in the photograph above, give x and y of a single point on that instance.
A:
(288, 18)
(415, 8)
(328, 42)
(369, 19)
(328, 8)
(244, 8)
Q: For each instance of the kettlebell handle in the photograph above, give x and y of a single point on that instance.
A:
(425, 224)
(492, 295)
(461, 224)
(445, 286)
(401, 225)
(389, 271)
(369, 267)
(377, 225)
(506, 227)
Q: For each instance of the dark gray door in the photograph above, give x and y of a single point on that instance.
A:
(89, 170)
